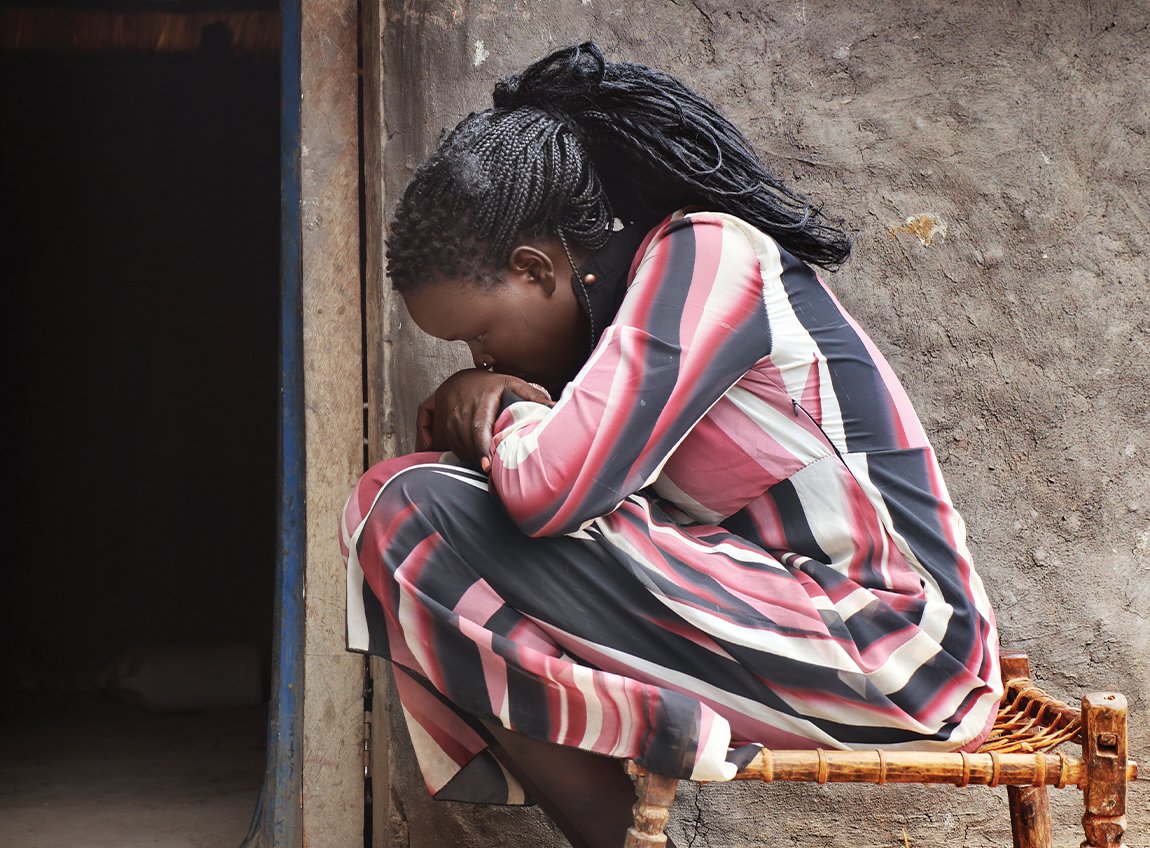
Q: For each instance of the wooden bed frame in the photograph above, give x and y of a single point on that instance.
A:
(1017, 754)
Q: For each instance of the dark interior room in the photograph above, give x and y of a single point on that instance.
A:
(140, 186)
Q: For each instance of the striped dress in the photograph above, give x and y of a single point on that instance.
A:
(730, 530)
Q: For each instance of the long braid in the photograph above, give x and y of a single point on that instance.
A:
(572, 141)
(674, 145)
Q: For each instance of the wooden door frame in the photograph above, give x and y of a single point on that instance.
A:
(313, 791)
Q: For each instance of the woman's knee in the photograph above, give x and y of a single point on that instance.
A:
(446, 497)
(365, 493)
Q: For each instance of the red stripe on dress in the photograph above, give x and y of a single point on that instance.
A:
(451, 734)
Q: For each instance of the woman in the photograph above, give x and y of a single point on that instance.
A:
(691, 510)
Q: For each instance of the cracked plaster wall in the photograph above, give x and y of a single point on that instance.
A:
(1011, 136)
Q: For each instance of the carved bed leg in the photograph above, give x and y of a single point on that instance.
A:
(1104, 752)
(1029, 816)
(1029, 805)
(655, 794)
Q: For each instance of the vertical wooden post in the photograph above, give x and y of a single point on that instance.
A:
(1015, 664)
(655, 793)
(378, 307)
(329, 168)
(276, 820)
(1029, 805)
(380, 303)
(1104, 750)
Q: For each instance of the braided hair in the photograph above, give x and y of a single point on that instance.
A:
(571, 143)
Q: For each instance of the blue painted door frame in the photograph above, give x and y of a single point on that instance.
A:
(276, 822)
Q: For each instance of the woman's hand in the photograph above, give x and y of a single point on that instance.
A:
(460, 416)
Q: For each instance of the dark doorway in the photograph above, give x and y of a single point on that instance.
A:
(139, 195)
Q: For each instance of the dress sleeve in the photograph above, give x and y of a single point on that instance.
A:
(693, 322)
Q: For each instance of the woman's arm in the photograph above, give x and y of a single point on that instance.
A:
(692, 324)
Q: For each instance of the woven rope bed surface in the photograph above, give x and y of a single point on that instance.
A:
(1030, 720)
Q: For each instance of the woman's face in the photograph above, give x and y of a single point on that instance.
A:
(528, 324)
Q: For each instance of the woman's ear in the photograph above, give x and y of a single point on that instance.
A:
(533, 266)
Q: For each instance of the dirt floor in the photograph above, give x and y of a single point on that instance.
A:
(91, 773)
(992, 158)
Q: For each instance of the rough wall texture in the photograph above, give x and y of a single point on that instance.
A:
(1021, 330)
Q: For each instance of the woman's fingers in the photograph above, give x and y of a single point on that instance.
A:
(425, 425)
(469, 426)
(463, 412)
(529, 391)
(487, 409)
(483, 423)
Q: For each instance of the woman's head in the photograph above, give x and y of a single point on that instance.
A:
(572, 142)
(490, 227)
(502, 177)
(525, 322)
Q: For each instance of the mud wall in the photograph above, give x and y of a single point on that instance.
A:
(1014, 305)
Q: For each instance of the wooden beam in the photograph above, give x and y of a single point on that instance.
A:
(65, 30)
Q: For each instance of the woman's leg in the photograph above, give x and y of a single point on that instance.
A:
(588, 796)
(596, 640)
(491, 623)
